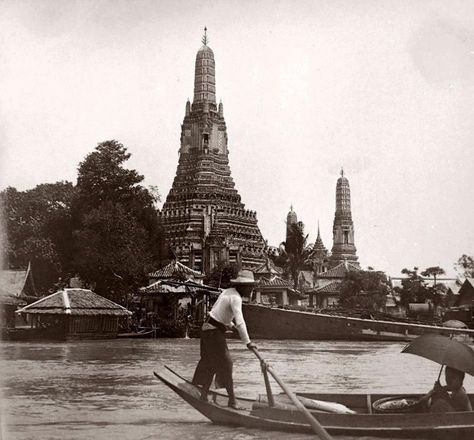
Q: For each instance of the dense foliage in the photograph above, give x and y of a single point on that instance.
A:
(116, 230)
(105, 229)
(39, 230)
(466, 265)
(414, 288)
(364, 290)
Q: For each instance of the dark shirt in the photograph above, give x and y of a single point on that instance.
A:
(460, 401)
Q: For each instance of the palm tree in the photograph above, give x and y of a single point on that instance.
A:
(295, 252)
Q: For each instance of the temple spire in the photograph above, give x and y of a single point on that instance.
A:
(343, 227)
(204, 39)
(204, 76)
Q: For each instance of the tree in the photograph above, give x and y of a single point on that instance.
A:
(221, 274)
(112, 252)
(466, 264)
(117, 236)
(364, 289)
(295, 253)
(39, 229)
(413, 288)
(433, 271)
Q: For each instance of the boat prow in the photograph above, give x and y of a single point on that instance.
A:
(359, 421)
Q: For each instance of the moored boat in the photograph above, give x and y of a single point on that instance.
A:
(363, 421)
(264, 322)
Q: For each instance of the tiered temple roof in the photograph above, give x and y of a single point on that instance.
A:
(175, 269)
(204, 219)
(340, 271)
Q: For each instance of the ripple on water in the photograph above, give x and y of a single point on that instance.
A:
(106, 389)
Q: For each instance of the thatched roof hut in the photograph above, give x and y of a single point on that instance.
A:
(75, 302)
(77, 313)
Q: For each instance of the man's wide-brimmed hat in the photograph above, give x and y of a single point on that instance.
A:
(244, 277)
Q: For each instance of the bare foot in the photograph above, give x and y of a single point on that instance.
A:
(234, 405)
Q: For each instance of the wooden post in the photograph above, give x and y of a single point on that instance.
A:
(271, 400)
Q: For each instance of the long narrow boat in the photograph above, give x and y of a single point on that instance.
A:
(264, 322)
(283, 416)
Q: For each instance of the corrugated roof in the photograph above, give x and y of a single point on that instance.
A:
(338, 271)
(173, 269)
(76, 302)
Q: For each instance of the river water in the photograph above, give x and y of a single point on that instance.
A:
(106, 389)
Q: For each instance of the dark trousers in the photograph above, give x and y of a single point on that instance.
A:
(215, 360)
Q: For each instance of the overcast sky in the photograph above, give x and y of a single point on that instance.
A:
(382, 88)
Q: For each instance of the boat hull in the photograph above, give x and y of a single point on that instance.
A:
(274, 323)
(459, 426)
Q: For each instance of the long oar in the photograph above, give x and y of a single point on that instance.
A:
(317, 428)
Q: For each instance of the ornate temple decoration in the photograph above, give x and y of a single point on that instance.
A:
(320, 255)
(204, 219)
(343, 248)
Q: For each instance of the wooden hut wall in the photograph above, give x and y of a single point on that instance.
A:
(7, 315)
(99, 325)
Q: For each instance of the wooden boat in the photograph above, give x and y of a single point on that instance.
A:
(283, 416)
(144, 333)
(264, 322)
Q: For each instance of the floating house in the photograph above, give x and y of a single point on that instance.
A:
(73, 313)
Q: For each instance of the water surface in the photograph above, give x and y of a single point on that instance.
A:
(106, 389)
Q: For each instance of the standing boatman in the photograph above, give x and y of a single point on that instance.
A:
(215, 356)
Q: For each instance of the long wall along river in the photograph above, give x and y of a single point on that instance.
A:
(106, 389)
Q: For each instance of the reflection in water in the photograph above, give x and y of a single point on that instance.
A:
(106, 389)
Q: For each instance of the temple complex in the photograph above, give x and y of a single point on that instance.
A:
(204, 219)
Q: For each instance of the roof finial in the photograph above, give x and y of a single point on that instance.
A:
(342, 172)
(205, 40)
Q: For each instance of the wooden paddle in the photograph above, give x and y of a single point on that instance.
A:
(317, 428)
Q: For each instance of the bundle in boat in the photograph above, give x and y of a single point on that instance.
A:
(282, 401)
